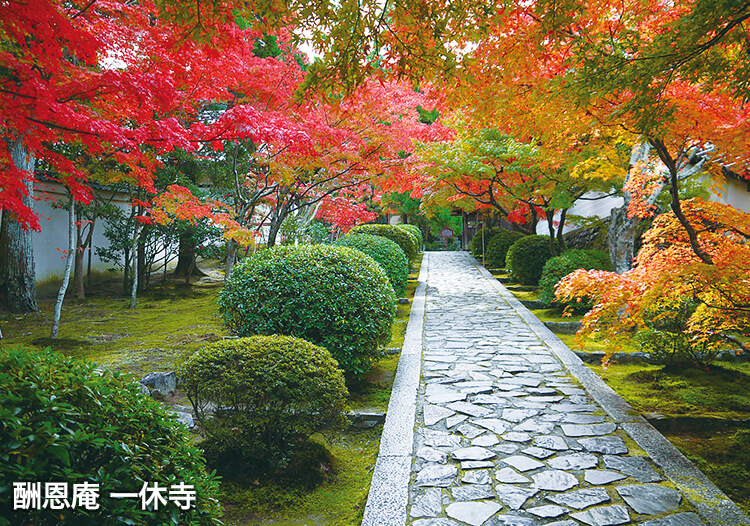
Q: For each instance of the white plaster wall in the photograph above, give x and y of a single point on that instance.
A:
(51, 242)
(585, 208)
(734, 193)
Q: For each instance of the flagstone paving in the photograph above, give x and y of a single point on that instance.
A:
(506, 435)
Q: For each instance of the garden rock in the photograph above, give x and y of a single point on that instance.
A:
(366, 419)
(185, 419)
(165, 384)
(563, 327)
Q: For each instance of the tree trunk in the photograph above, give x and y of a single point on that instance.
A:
(621, 227)
(550, 215)
(560, 227)
(622, 239)
(68, 265)
(231, 257)
(78, 272)
(141, 260)
(134, 266)
(186, 265)
(674, 178)
(273, 229)
(17, 276)
(88, 265)
(185, 255)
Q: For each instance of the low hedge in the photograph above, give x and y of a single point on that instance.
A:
(63, 420)
(526, 258)
(336, 297)
(273, 393)
(475, 245)
(416, 234)
(398, 235)
(386, 253)
(558, 267)
(497, 250)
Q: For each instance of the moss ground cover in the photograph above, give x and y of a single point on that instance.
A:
(171, 322)
(723, 456)
(721, 392)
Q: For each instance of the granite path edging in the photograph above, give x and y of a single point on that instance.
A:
(389, 489)
(713, 505)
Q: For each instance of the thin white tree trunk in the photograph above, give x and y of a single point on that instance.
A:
(134, 289)
(68, 267)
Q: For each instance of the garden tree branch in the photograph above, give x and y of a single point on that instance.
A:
(671, 165)
(745, 348)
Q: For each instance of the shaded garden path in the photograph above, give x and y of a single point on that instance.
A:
(494, 421)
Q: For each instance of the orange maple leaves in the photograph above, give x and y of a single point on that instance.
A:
(668, 273)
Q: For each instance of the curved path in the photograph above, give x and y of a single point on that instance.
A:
(494, 421)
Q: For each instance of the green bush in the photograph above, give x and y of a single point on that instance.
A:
(526, 258)
(497, 249)
(63, 420)
(558, 267)
(336, 297)
(475, 245)
(272, 392)
(416, 234)
(395, 234)
(386, 253)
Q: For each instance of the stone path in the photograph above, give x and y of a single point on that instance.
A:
(506, 427)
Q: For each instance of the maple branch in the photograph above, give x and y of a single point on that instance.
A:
(59, 126)
(83, 10)
(745, 348)
(707, 45)
(613, 194)
(675, 205)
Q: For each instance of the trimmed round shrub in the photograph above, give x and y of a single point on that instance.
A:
(268, 395)
(395, 234)
(497, 250)
(475, 245)
(63, 420)
(417, 234)
(386, 253)
(332, 296)
(558, 267)
(526, 258)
